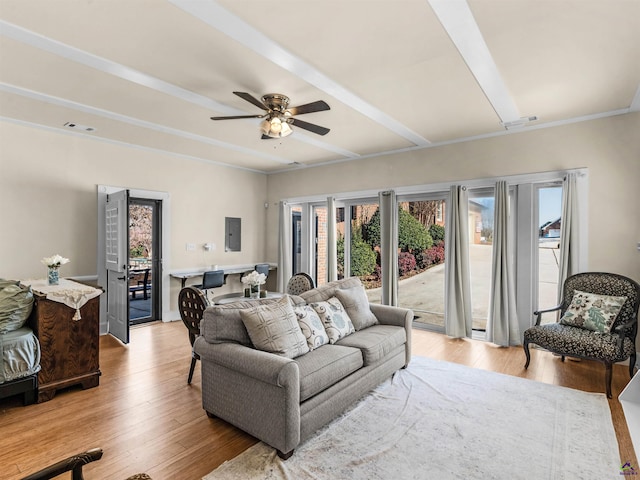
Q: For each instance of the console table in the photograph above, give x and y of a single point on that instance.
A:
(69, 345)
(184, 275)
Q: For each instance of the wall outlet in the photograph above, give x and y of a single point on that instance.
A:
(190, 247)
(208, 247)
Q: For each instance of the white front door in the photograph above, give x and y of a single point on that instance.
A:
(116, 262)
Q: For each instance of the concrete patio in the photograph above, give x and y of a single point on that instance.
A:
(424, 292)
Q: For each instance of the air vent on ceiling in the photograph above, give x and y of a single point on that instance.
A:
(520, 122)
(77, 126)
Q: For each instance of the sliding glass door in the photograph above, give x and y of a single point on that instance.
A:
(421, 256)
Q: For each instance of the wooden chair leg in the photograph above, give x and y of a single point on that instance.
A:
(608, 376)
(525, 345)
(193, 367)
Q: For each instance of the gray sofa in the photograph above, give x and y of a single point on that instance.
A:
(283, 401)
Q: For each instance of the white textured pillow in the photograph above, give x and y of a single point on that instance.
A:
(274, 328)
(356, 303)
(335, 319)
(593, 312)
(311, 326)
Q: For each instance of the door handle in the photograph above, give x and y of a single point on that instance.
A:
(122, 278)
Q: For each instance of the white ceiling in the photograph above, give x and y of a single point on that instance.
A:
(398, 74)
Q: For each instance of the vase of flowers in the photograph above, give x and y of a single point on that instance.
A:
(252, 282)
(53, 264)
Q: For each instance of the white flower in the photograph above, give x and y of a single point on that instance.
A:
(254, 278)
(54, 261)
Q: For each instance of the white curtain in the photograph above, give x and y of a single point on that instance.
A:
(285, 267)
(332, 246)
(457, 289)
(569, 228)
(389, 246)
(502, 324)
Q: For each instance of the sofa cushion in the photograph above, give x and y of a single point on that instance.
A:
(222, 323)
(311, 326)
(326, 366)
(356, 303)
(274, 328)
(376, 342)
(335, 319)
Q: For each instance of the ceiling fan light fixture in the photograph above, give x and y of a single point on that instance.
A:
(275, 127)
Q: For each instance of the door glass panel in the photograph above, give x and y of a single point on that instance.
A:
(360, 251)
(549, 222)
(296, 239)
(421, 236)
(320, 250)
(481, 214)
(140, 261)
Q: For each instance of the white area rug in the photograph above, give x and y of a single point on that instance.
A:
(438, 420)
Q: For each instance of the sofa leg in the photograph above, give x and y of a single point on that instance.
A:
(525, 345)
(210, 415)
(284, 456)
(632, 364)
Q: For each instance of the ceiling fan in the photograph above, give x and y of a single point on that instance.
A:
(279, 116)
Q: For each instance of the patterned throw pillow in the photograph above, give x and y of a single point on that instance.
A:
(334, 318)
(592, 312)
(311, 326)
(274, 328)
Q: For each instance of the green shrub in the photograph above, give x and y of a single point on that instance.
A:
(363, 258)
(412, 235)
(437, 233)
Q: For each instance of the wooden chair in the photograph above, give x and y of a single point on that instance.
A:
(299, 283)
(192, 304)
(74, 465)
(573, 341)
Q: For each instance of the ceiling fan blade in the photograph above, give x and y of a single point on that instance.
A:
(318, 106)
(309, 126)
(236, 117)
(251, 99)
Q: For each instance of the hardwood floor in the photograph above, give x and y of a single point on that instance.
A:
(147, 419)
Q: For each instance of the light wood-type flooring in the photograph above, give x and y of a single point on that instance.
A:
(147, 419)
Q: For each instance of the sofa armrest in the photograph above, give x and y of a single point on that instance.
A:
(401, 317)
(266, 367)
(388, 315)
(258, 392)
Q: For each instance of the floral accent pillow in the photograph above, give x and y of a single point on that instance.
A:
(311, 326)
(335, 319)
(592, 312)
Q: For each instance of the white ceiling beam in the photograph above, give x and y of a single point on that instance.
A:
(459, 23)
(61, 102)
(216, 16)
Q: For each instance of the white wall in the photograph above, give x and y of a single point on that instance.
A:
(609, 148)
(48, 202)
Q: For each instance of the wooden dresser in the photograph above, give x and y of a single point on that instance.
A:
(69, 348)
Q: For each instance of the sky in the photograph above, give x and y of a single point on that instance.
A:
(550, 204)
(550, 207)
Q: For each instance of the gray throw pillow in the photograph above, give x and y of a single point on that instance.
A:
(356, 303)
(274, 328)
